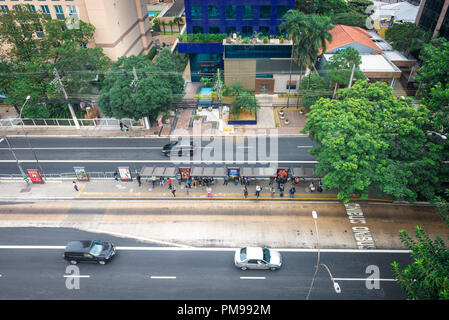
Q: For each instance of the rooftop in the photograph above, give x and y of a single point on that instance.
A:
(343, 35)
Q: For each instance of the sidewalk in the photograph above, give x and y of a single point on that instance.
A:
(109, 189)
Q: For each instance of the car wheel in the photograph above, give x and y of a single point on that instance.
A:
(243, 268)
(101, 262)
(73, 261)
(273, 269)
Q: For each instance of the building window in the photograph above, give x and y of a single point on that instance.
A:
(231, 29)
(247, 12)
(196, 12)
(59, 13)
(247, 31)
(197, 29)
(280, 11)
(265, 12)
(231, 12)
(45, 10)
(73, 12)
(213, 12)
(4, 9)
(31, 8)
(214, 29)
(265, 30)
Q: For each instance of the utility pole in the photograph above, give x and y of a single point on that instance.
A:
(57, 80)
(352, 76)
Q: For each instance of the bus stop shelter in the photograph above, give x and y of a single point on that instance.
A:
(158, 171)
(208, 172)
(259, 172)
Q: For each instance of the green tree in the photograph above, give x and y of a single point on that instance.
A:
(327, 8)
(179, 22)
(163, 25)
(435, 66)
(427, 278)
(340, 65)
(356, 14)
(171, 23)
(407, 37)
(368, 138)
(158, 87)
(313, 87)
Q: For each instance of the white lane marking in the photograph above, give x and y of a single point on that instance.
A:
(163, 277)
(143, 248)
(87, 148)
(362, 279)
(304, 146)
(161, 161)
(252, 278)
(76, 276)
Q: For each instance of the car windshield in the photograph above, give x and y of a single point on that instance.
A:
(243, 254)
(96, 248)
(266, 254)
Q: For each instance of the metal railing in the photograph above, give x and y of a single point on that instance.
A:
(97, 122)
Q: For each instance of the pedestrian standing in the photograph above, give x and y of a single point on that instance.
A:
(258, 189)
(271, 182)
(292, 192)
(226, 180)
(187, 189)
(209, 192)
(116, 175)
(320, 187)
(311, 187)
(161, 181)
(153, 180)
(178, 177)
(173, 190)
(281, 190)
(169, 184)
(278, 180)
(138, 179)
(121, 126)
(195, 181)
(189, 182)
(242, 181)
(75, 186)
(273, 191)
(245, 192)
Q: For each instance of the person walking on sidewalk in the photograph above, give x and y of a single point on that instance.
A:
(195, 181)
(173, 191)
(281, 190)
(245, 192)
(178, 177)
(292, 192)
(75, 186)
(169, 184)
(153, 181)
(258, 189)
(209, 192)
(320, 187)
(187, 189)
(226, 180)
(139, 179)
(161, 181)
(121, 126)
(116, 175)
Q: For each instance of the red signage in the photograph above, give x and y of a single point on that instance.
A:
(35, 176)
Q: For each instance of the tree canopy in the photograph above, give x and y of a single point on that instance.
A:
(407, 37)
(368, 138)
(427, 278)
(339, 67)
(159, 86)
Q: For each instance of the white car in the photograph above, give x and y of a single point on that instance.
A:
(257, 258)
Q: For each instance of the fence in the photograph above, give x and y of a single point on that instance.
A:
(97, 122)
(63, 176)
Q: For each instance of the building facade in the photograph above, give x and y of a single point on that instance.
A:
(122, 27)
(231, 17)
(433, 16)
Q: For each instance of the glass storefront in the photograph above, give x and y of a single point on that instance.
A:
(204, 64)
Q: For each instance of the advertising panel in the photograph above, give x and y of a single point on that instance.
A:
(81, 173)
(35, 176)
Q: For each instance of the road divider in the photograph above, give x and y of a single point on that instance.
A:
(163, 277)
(252, 278)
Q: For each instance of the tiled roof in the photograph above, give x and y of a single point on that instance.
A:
(343, 35)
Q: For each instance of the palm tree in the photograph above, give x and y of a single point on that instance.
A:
(318, 32)
(163, 24)
(178, 21)
(293, 25)
(171, 23)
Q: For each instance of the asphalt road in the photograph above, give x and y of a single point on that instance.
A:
(140, 272)
(58, 155)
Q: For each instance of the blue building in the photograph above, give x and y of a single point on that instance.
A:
(227, 17)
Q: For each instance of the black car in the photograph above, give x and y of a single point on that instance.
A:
(89, 251)
(178, 148)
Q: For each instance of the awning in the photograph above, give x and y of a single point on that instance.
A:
(158, 171)
(259, 172)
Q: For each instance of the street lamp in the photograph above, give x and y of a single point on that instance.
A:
(26, 135)
(318, 265)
